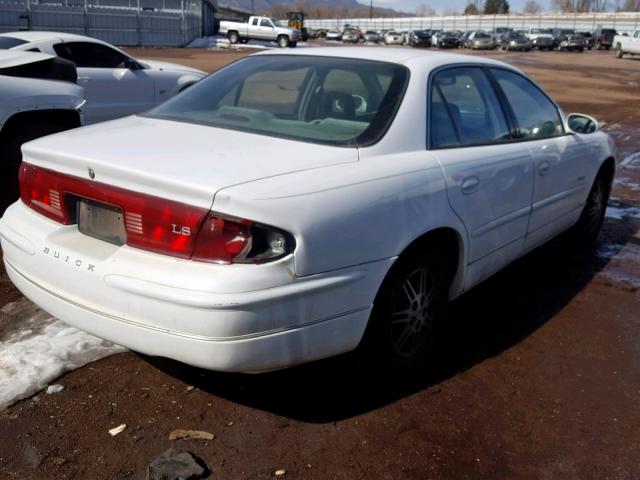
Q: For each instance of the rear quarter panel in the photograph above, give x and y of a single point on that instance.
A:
(27, 94)
(349, 214)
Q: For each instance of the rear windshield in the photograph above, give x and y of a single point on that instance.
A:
(326, 100)
(10, 42)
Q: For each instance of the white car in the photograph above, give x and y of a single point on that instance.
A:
(624, 44)
(261, 219)
(541, 38)
(115, 84)
(38, 96)
(393, 38)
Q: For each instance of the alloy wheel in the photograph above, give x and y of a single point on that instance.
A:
(413, 314)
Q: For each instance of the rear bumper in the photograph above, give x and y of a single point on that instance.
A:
(229, 318)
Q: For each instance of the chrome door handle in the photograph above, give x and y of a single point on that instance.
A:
(469, 185)
(544, 167)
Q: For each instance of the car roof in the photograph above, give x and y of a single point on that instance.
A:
(402, 56)
(37, 36)
(11, 58)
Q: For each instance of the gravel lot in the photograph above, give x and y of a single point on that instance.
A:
(538, 374)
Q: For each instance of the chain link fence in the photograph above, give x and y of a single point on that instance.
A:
(622, 21)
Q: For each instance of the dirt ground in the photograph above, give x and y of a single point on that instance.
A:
(538, 371)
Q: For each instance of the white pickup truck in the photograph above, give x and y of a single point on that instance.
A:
(624, 44)
(260, 28)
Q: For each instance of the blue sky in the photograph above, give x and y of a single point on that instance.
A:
(439, 5)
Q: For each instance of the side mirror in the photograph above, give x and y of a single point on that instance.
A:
(579, 123)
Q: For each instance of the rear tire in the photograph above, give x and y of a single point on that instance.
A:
(283, 41)
(619, 52)
(407, 311)
(233, 37)
(587, 229)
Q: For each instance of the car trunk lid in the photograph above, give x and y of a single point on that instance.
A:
(179, 161)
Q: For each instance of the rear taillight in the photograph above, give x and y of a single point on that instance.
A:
(156, 224)
(233, 240)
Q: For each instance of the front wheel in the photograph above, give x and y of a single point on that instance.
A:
(407, 310)
(283, 41)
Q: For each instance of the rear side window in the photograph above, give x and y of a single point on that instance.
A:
(10, 42)
(443, 132)
(472, 104)
(90, 55)
(536, 115)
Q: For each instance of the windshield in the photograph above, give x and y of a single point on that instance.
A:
(10, 42)
(326, 100)
(540, 30)
(481, 35)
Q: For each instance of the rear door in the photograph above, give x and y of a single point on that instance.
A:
(112, 88)
(489, 176)
(560, 183)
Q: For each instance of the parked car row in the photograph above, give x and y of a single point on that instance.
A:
(504, 38)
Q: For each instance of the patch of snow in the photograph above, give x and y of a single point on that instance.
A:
(57, 388)
(608, 250)
(41, 348)
(619, 211)
(623, 263)
(220, 42)
(630, 159)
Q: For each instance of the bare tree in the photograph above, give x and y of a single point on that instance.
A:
(632, 6)
(579, 5)
(531, 6)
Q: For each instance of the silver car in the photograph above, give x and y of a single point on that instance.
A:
(371, 36)
(393, 38)
(350, 36)
(480, 41)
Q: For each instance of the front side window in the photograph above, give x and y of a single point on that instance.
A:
(318, 99)
(90, 55)
(265, 23)
(472, 104)
(536, 115)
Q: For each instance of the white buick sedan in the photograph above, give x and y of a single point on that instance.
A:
(293, 205)
(115, 84)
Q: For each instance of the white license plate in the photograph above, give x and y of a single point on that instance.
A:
(104, 222)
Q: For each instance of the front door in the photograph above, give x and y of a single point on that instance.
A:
(113, 88)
